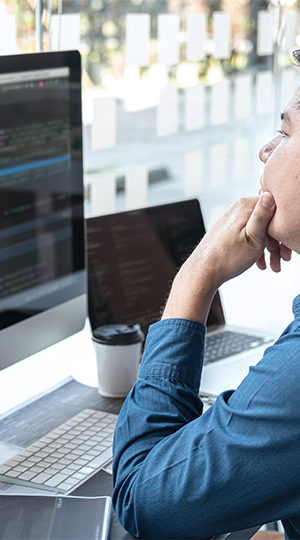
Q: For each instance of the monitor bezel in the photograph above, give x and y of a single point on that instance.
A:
(37, 332)
(190, 207)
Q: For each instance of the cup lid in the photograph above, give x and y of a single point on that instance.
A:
(118, 334)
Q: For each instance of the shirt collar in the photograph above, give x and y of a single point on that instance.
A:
(296, 307)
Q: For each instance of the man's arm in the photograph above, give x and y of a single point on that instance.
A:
(178, 473)
(235, 243)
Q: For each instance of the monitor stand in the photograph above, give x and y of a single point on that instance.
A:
(83, 367)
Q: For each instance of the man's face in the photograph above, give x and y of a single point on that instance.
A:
(282, 176)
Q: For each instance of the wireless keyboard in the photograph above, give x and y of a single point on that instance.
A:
(67, 456)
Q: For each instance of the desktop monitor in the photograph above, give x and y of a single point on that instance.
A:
(42, 267)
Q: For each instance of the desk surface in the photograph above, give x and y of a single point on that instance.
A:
(28, 424)
(38, 418)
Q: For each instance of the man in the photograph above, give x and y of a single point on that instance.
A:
(181, 474)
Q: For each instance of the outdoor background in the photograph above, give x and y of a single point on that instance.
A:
(173, 110)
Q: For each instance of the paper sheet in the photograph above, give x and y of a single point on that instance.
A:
(140, 95)
(243, 96)
(103, 193)
(215, 213)
(167, 112)
(136, 187)
(103, 129)
(168, 39)
(65, 32)
(288, 85)
(264, 93)
(219, 113)
(40, 516)
(194, 107)
(193, 172)
(196, 33)
(221, 34)
(241, 160)
(8, 34)
(138, 39)
(290, 29)
(218, 165)
(265, 33)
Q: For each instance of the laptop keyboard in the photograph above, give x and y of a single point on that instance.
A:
(223, 344)
(65, 457)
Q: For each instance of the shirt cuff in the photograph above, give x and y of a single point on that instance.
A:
(174, 350)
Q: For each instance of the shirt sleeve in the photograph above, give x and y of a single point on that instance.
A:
(179, 473)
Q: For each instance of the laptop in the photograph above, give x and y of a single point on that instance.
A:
(132, 258)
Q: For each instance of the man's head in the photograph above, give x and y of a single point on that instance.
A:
(281, 176)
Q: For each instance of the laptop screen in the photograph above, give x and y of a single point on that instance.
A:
(133, 257)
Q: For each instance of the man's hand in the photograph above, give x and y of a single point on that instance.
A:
(235, 243)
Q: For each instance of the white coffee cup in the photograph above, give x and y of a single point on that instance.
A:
(118, 352)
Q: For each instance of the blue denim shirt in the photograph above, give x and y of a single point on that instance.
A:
(179, 473)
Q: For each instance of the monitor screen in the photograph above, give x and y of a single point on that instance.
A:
(41, 202)
(133, 257)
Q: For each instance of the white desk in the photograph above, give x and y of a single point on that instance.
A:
(35, 376)
(256, 299)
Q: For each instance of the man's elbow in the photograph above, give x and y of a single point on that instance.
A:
(123, 503)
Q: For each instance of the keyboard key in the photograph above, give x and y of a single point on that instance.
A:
(58, 466)
(80, 476)
(65, 460)
(52, 471)
(4, 469)
(86, 470)
(77, 452)
(95, 452)
(36, 469)
(28, 475)
(20, 469)
(12, 462)
(69, 484)
(106, 443)
(41, 478)
(55, 480)
(29, 463)
(71, 469)
(13, 474)
(82, 461)
(35, 459)
(49, 459)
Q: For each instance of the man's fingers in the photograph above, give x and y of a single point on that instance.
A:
(277, 252)
(285, 252)
(275, 256)
(275, 261)
(272, 244)
(261, 262)
(262, 214)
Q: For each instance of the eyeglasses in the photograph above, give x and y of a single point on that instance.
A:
(296, 55)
